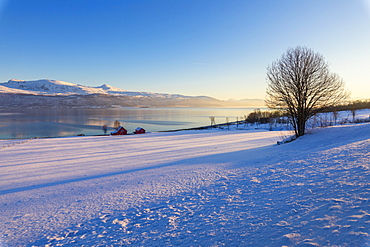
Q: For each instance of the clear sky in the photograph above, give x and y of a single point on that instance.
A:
(218, 48)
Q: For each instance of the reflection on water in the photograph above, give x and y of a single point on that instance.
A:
(27, 123)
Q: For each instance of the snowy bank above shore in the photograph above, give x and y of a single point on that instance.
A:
(190, 188)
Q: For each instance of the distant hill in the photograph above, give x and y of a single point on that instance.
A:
(53, 93)
(248, 102)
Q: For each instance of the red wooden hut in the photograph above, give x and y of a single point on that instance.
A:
(139, 130)
(119, 131)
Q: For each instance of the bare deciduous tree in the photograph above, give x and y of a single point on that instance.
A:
(213, 121)
(116, 124)
(353, 112)
(301, 84)
(335, 116)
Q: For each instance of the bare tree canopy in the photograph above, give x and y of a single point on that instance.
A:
(300, 83)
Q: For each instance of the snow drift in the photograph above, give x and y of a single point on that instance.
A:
(190, 188)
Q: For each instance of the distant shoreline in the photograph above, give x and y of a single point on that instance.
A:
(46, 122)
(161, 131)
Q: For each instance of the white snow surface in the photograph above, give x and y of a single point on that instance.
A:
(188, 188)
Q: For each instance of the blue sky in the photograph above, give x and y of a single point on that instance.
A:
(217, 48)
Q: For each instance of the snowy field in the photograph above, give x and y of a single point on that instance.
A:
(188, 188)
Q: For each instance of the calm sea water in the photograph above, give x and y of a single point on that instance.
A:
(28, 123)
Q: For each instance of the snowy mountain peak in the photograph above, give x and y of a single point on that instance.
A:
(49, 87)
(15, 81)
(104, 86)
(53, 87)
(109, 88)
(41, 81)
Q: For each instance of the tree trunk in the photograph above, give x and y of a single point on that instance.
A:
(301, 127)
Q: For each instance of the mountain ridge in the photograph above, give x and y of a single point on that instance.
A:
(43, 90)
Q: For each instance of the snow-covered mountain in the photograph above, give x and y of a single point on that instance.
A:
(53, 93)
(47, 87)
(54, 87)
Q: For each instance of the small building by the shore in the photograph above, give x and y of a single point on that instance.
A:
(139, 130)
(119, 131)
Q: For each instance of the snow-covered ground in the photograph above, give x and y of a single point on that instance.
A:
(188, 188)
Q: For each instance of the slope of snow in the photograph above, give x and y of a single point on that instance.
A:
(4, 89)
(190, 188)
